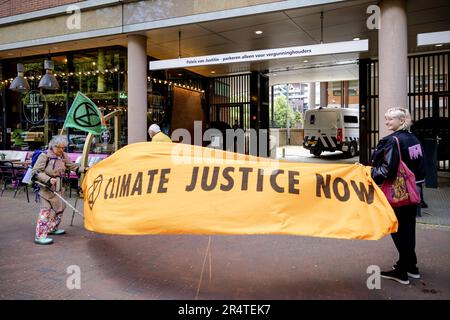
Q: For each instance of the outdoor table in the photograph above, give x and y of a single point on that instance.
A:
(21, 164)
(8, 160)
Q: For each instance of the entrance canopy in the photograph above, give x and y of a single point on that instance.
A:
(261, 55)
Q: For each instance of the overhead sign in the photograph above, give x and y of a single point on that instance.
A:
(267, 54)
(430, 38)
(174, 188)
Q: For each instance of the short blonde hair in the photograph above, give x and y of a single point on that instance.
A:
(400, 113)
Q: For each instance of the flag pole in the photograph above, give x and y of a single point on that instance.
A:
(61, 131)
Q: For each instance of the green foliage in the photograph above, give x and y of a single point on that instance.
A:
(299, 117)
(280, 107)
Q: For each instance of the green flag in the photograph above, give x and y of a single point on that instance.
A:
(85, 115)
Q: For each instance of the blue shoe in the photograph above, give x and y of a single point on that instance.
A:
(57, 232)
(43, 241)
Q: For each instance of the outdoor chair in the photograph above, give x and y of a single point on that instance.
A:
(12, 175)
(71, 183)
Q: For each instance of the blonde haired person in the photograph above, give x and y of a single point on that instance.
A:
(49, 169)
(385, 161)
(157, 135)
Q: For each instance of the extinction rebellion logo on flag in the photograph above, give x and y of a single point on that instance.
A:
(84, 115)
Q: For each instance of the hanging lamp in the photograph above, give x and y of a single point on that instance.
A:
(48, 81)
(20, 84)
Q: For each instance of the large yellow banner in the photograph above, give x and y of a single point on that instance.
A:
(170, 188)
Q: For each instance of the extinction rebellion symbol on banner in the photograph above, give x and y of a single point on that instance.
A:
(94, 190)
(33, 106)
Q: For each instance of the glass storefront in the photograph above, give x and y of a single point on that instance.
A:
(29, 120)
(37, 115)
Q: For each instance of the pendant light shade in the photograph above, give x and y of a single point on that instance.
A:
(20, 84)
(48, 81)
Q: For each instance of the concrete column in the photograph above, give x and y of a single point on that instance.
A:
(323, 94)
(137, 88)
(393, 58)
(312, 95)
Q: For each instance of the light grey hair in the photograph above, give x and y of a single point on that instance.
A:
(58, 141)
(400, 113)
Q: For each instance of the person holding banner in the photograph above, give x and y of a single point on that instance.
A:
(385, 162)
(49, 169)
(157, 135)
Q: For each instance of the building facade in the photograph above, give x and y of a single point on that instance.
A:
(103, 48)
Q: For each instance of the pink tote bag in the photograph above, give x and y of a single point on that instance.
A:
(401, 191)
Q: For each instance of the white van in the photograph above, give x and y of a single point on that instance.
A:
(331, 129)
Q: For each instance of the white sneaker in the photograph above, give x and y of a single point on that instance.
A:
(43, 241)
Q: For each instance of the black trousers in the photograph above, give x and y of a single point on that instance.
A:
(405, 237)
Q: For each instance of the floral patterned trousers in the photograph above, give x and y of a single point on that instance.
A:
(47, 223)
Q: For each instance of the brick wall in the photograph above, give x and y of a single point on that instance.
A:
(14, 7)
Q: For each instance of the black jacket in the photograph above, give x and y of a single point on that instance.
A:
(385, 158)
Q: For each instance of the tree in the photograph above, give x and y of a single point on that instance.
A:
(280, 107)
(299, 118)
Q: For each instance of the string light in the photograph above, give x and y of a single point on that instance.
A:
(89, 73)
(112, 108)
(71, 74)
(180, 85)
(107, 71)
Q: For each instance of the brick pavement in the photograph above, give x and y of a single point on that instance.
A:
(438, 200)
(166, 267)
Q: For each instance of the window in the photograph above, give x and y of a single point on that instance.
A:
(337, 88)
(312, 119)
(350, 119)
(353, 86)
